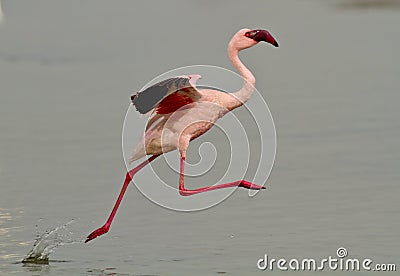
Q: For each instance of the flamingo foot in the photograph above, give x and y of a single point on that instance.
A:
(98, 232)
(250, 185)
(239, 183)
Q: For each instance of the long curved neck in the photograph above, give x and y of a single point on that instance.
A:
(242, 95)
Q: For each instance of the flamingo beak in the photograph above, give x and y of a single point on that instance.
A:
(262, 35)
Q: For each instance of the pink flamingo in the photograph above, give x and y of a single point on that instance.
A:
(181, 113)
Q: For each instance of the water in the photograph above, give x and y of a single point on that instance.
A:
(68, 68)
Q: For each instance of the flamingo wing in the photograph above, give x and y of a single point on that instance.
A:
(168, 95)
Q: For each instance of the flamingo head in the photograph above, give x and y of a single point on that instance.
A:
(246, 38)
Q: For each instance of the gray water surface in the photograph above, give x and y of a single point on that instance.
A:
(68, 68)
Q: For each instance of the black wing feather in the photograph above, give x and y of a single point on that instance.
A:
(146, 100)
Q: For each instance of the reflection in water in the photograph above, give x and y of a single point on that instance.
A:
(36, 268)
(5, 233)
(47, 243)
(366, 4)
(1, 13)
(5, 216)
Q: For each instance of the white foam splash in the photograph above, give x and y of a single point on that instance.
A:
(46, 243)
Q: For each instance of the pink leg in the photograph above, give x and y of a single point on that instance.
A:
(104, 229)
(239, 183)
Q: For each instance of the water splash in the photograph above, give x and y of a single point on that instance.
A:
(46, 243)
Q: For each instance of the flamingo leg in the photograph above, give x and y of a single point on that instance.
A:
(129, 175)
(239, 183)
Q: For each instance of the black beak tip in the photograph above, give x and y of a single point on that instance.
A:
(275, 44)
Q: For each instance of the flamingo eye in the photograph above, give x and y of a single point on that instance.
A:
(251, 34)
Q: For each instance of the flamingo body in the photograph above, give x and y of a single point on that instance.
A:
(191, 114)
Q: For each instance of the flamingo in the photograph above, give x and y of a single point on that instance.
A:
(180, 112)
